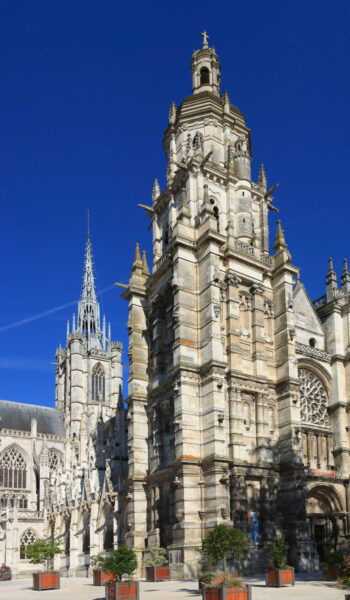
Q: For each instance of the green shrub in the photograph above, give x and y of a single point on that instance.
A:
(122, 561)
(42, 552)
(223, 541)
(158, 557)
(278, 552)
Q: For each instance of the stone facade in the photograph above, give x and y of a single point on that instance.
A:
(238, 383)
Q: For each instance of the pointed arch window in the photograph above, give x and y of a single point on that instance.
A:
(55, 459)
(13, 469)
(98, 383)
(86, 533)
(27, 538)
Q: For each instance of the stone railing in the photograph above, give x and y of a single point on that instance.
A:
(313, 352)
(251, 251)
(319, 301)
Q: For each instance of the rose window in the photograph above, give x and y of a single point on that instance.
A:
(313, 399)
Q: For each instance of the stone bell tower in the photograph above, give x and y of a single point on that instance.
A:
(89, 369)
(213, 388)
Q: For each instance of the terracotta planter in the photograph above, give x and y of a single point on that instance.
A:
(101, 578)
(226, 592)
(121, 590)
(157, 573)
(201, 584)
(279, 577)
(331, 573)
(46, 581)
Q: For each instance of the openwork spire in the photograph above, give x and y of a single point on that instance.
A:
(89, 322)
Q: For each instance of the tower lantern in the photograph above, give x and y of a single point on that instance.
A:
(206, 69)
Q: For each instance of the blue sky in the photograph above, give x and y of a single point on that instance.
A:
(85, 93)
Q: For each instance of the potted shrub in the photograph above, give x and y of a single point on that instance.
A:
(99, 576)
(223, 541)
(279, 573)
(42, 552)
(157, 568)
(332, 564)
(5, 573)
(121, 562)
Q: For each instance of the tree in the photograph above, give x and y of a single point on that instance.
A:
(120, 562)
(42, 552)
(158, 557)
(223, 541)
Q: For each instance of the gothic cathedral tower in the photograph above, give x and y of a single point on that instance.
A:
(213, 387)
(89, 369)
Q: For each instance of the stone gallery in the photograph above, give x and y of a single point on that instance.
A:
(237, 393)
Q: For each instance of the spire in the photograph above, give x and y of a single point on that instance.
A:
(280, 242)
(345, 277)
(155, 191)
(226, 103)
(262, 181)
(172, 113)
(89, 308)
(144, 263)
(331, 281)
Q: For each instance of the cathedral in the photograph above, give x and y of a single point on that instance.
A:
(237, 389)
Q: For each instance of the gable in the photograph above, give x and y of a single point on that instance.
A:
(307, 323)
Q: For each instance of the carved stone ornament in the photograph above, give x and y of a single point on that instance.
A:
(313, 399)
(233, 279)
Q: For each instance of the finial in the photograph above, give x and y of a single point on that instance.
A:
(330, 266)
(73, 322)
(280, 242)
(109, 330)
(88, 225)
(205, 39)
(67, 329)
(144, 263)
(172, 113)
(345, 277)
(137, 253)
(156, 190)
(262, 181)
(226, 103)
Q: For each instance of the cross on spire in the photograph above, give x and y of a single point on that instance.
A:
(205, 39)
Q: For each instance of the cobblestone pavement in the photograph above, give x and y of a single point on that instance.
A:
(307, 587)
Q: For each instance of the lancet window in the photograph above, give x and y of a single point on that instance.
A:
(98, 383)
(13, 469)
(313, 399)
(10, 500)
(27, 538)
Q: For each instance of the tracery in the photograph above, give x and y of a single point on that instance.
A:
(313, 399)
(13, 472)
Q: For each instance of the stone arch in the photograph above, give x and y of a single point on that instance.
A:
(325, 513)
(325, 499)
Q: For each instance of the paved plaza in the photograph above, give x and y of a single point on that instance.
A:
(307, 587)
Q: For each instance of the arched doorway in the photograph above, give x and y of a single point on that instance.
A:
(326, 517)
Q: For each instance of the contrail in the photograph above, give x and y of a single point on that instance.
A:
(46, 312)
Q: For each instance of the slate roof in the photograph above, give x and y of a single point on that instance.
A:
(15, 415)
